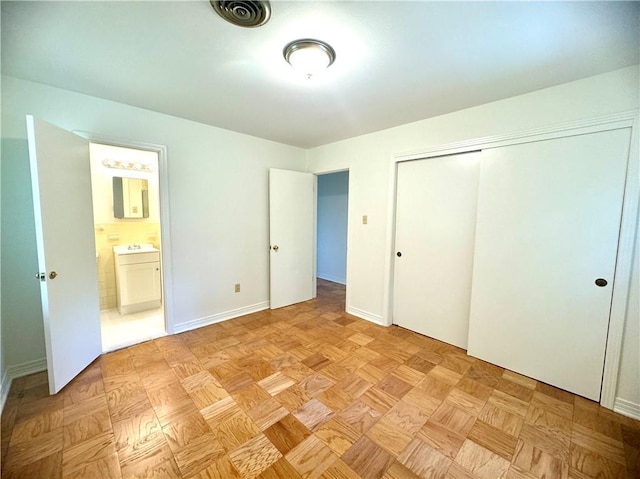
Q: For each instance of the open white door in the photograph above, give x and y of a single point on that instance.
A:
(61, 182)
(291, 235)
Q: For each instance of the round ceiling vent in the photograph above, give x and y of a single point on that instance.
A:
(244, 13)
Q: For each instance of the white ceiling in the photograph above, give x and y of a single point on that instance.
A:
(396, 62)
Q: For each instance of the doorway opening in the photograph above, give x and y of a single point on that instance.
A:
(127, 226)
(332, 225)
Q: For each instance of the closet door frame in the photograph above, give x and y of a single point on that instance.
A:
(628, 226)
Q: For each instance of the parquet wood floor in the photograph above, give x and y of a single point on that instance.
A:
(308, 392)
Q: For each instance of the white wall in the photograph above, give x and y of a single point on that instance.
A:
(22, 329)
(218, 207)
(368, 159)
(333, 198)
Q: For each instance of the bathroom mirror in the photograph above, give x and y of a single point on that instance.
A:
(130, 197)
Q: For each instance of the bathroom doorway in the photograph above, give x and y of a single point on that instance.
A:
(127, 226)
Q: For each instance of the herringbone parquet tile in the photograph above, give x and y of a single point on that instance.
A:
(308, 392)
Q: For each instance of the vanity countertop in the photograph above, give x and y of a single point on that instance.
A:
(134, 248)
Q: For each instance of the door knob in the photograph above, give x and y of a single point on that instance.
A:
(53, 275)
(276, 247)
(398, 254)
(41, 276)
(601, 282)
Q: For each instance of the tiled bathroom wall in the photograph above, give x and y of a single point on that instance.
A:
(109, 235)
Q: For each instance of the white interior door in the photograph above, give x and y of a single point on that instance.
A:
(548, 221)
(61, 182)
(435, 228)
(291, 235)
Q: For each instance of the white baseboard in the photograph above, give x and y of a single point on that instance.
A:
(219, 317)
(333, 279)
(4, 389)
(24, 369)
(627, 408)
(374, 318)
(17, 371)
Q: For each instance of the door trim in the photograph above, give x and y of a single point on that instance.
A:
(628, 225)
(165, 221)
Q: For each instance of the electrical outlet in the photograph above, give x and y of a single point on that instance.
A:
(237, 287)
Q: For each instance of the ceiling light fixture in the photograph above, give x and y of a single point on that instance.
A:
(309, 56)
(126, 165)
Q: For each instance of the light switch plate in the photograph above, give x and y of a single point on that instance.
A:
(365, 219)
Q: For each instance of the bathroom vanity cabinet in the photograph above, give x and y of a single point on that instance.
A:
(138, 278)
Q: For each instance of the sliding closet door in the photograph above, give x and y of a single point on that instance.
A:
(435, 226)
(546, 240)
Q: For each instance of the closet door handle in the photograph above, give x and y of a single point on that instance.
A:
(601, 282)
(398, 254)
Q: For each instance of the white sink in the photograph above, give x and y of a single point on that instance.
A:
(134, 248)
